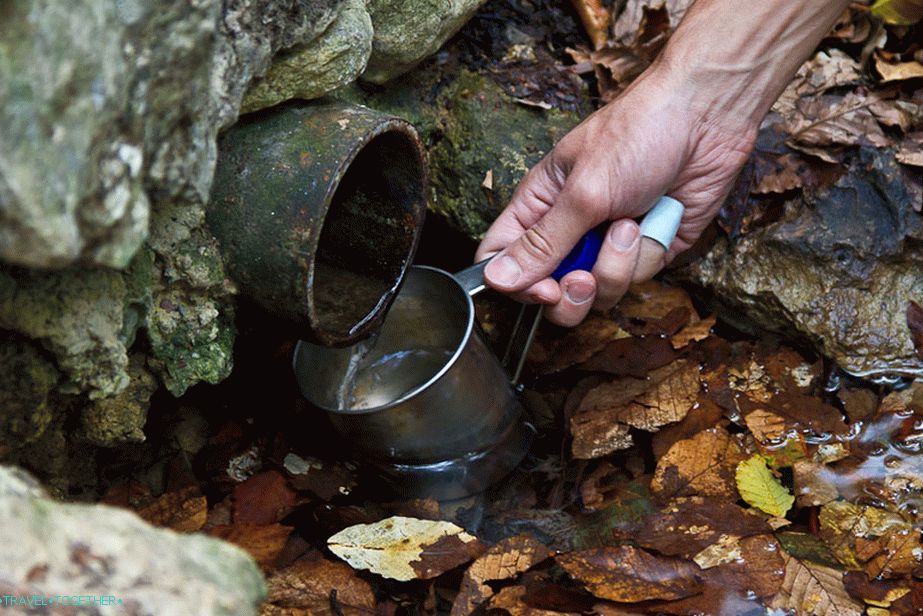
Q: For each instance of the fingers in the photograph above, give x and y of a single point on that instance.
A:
(536, 253)
(651, 259)
(578, 290)
(617, 262)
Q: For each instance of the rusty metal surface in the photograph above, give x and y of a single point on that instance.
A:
(318, 210)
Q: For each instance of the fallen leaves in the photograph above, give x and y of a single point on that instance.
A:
(308, 583)
(629, 574)
(703, 465)
(761, 489)
(814, 590)
(402, 548)
(502, 561)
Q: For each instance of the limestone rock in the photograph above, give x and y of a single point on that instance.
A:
(333, 59)
(838, 269)
(120, 419)
(27, 382)
(106, 105)
(58, 549)
(406, 31)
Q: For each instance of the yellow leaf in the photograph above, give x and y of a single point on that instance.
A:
(760, 488)
(898, 12)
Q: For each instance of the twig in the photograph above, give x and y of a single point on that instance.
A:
(595, 20)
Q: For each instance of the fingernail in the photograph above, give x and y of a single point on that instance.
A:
(504, 271)
(623, 235)
(578, 291)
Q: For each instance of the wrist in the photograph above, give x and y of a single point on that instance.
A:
(730, 65)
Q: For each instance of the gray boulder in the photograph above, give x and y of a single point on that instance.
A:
(838, 270)
(406, 31)
(68, 554)
(334, 59)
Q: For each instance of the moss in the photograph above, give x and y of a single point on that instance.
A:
(192, 339)
(77, 314)
(118, 420)
(485, 130)
(27, 382)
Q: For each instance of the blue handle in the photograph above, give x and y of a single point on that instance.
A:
(583, 255)
(660, 224)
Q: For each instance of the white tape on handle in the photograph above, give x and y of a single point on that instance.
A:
(662, 221)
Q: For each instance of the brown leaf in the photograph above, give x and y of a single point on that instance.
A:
(828, 120)
(595, 19)
(898, 555)
(686, 526)
(814, 590)
(703, 465)
(852, 532)
(503, 561)
(875, 592)
(765, 426)
(910, 152)
(307, 585)
(633, 356)
(798, 411)
(581, 343)
(630, 20)
(756, 572)
(653, 300)
(694, 332)
(859, 403)
(263, 499)
(595, 435)
(182, 510)
(629, 574)
(915, 323)
(825, 71)
(511, 601)
(264, 543)
(704, 414)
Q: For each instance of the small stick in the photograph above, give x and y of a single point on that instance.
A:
(335, 604)
(595, 20)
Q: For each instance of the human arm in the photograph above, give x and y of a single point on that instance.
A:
(684, 128)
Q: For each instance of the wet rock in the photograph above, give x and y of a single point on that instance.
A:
(332, 60)
(406, 31)
(838, 269)
(58, 549)
(27, 396)
(107, 106)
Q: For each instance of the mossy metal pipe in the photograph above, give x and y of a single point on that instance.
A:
(318, 209)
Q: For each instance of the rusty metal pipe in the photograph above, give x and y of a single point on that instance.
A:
(318, 209)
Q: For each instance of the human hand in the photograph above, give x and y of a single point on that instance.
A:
(612, 167)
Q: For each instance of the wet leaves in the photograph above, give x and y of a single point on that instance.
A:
(814, 590)
(703, 465)
(307, 585)
(630, 574)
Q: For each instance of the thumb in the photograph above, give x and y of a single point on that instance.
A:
(539, 250)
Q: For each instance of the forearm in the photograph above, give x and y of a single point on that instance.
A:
(733, 58)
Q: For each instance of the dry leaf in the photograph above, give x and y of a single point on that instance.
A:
(596, 435)
(703, 465)
(503, 561)
(263, 543)
(725, 550)
(688, 525)
(814, 590)
(307, 584)
(404, 549)
(629, 574)
(824, 71)
(704, 414)
(897, 71)
(828, 120)
(595, 19)
(625, 28)
(183, 510)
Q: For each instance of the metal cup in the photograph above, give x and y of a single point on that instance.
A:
(426, 403)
